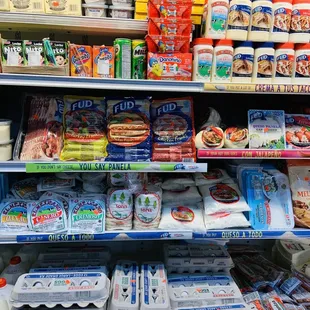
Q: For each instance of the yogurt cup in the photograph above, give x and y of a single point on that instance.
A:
(6, 150)
(5, 128)
(121, 11)
(95, 9)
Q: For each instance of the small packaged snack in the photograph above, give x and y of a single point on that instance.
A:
(12, 52)
(81, 59)
(177, 66)
(266, 129)
(34, 53)
(170, 8)
(166, 27)
(236, 138)
(167, 44)
(86, 216)
(103, 61)
(61, 53)
(297, 132)
(47, 215)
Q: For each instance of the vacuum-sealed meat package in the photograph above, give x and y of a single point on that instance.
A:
(43, 138)
(173, 130)
(84, 129)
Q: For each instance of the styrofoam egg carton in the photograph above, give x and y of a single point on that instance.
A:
(154, 289)
(102, 269)
(95, 254)
(202, 290)
(188, 257)
(240, 306)
(69, 263)
(125, 287)
(64, 289)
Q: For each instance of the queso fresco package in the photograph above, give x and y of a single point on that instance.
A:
(84, 129)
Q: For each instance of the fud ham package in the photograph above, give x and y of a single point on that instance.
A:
(173, 130)
(129, 131)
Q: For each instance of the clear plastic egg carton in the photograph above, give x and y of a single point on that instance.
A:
(61, 289)
(125, 287)
(194, 258)
(202, 290)
(66, 269)
(69, 263)
(154, 289)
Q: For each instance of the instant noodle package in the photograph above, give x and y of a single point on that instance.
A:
(173, 130)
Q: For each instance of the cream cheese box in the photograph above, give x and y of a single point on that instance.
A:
(27, 6)
(63, 7)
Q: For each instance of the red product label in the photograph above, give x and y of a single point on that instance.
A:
(222, 52)
(220, 3)
(205, 51)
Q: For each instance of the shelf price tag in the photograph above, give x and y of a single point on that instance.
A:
(109, 166)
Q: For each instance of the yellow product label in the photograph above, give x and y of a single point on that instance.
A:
(5, 5)
(141, 7)
(24, 6)
(197, 9)
(64, 7)
(199, 2)
(196, 19)
(140, 16)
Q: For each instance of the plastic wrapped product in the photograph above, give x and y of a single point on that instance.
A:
(53, 183)
(63, 199)
(117, 179)
(47, 215)
(182, 217)
(222, 198)
(236, 138)
(43, 138)
(84, 129)
(94, 177)
(86, 216)
(225, 220)
(13, 215)
(210, 137)
(178, 182)
(147, 208)
(26, 189)
(135, 182)
(212, 176)
(297, 133)
(129, 129)
(188, 195)
(299, 174)
(254, 301)
(272, 301)
(119, 209)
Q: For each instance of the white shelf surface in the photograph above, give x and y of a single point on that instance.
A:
(82, 24)
(32, 237)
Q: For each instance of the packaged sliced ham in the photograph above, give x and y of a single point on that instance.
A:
(222, 198)
(147, 208)
(188, 195)
(225, 220)
(43, 138)
(120, 209)
(212, 176)
(84, 129)
(173, 130)
(182, 217)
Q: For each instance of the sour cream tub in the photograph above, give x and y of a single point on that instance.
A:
(5, 130)
(121, 11)
(95, 9)
(6, 150)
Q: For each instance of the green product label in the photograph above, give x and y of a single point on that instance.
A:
(138, 62)
(122, 49)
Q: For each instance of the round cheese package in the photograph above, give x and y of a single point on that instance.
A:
(236, 138)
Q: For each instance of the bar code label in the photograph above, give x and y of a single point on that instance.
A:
(37, 6)
(73, 8)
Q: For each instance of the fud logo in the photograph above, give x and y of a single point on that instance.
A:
(166, 108)
(81, 104)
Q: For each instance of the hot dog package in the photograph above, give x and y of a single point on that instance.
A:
(164, 26)
(173, 130)
(129, 129)
(170, 8)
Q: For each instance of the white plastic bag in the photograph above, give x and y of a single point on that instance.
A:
(188, 196)
(212, 176)
(183, 217)
(178, 183)
(223, 198)
(225, 220)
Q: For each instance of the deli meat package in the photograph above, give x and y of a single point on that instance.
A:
(84, 129)
(129, 129)
(43, 138)
(173, 130)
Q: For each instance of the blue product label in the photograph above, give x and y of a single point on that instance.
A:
(243, 65)
(239, 17)
(265, 66)
(261, 18)
(284, 65)
(300, 21)
(302, 66)
(282, 20)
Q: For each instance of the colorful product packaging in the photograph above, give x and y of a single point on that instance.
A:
(170, 8)
(29, 6)
(61, 53)
(81, 60)
(138, 61)
(103, 61)
(297, 131)
(164, 26)
(34, 53)
(177, 66)
(167, 44)
(12, 53)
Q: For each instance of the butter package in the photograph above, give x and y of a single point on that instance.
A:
(34, 53)
(27, 6)
(170, 8)
(103, 61)
(167, 44)
(177, 66)
(81, 60)
(12, 53)
(164, 26)
(63, 7)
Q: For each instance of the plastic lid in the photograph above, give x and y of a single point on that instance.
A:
(15, 260)
(2, 282)
(205, 41)
(302, 46)
(301, 1)
(287, 45)
(224, 42)
(278, 1)
(121, 7)
(265, 45)
(244, 44)
(5, 122)
(95, 5)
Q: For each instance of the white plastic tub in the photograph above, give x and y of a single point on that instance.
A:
(6, 150)
(95, 9)
(122, 3)
(117, 11)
